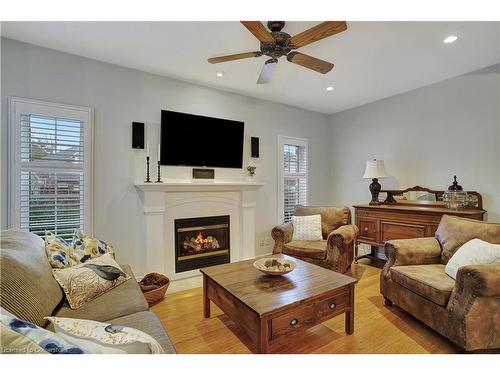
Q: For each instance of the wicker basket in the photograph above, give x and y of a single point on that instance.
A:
(154, 286)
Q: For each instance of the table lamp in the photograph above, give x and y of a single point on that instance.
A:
(375, 169)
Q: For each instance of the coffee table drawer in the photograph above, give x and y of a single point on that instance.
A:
(331, 306)
(288, 323)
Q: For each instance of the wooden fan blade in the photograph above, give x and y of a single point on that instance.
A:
(310, 62)
(258, 30)
(318, 32)
(237, 56)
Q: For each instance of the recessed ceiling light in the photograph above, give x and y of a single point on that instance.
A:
(220, 74)
(450, 39)
(329, 88)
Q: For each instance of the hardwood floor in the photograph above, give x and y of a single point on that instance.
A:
(377, 328)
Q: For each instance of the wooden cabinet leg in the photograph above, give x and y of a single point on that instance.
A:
(206, 300)
(356, 244)
(349, 315)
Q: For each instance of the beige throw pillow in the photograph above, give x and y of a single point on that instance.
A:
(307, 228)
(84, 282)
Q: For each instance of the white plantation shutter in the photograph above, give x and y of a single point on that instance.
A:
(293, 175)
(51, 168)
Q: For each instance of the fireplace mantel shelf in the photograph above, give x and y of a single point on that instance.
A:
(188, 185)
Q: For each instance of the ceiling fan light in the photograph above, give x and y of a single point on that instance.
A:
(450, 39)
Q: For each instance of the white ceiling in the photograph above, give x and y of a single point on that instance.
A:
(373, 60)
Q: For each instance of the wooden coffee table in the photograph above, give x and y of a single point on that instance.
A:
(274, 309)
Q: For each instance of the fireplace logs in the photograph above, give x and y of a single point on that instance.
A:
(200, 243)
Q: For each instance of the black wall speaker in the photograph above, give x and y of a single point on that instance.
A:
(137, 135)
(255, 147)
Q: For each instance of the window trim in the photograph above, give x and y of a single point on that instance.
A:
(282, 140)
(16, 107)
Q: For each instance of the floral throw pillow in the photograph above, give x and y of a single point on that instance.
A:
(86, 247)
(105, 338)
(59, 252)
(23, 337)
(86, 281)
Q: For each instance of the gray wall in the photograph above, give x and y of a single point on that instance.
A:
(120, 96)
(425, 137)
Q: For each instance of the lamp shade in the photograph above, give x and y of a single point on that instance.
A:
(375, 169)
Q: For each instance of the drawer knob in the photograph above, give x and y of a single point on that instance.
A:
(332, 306)
(294, 322)
(366, 229)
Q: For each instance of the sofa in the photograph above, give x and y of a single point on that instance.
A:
(465, 310)
(29, 291)
(335, 251)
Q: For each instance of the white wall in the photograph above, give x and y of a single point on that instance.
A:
(425, 137)
(120, 96)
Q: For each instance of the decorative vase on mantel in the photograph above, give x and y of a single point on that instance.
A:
(251, 172)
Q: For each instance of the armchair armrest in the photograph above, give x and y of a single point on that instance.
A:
(480, 280)
(343, 235)
(281, 234)
(473, 307)
(425, 250)
(340, 247)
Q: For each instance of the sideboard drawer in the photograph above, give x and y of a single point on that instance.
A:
(288, 323)
(400, 231)
(367, 229)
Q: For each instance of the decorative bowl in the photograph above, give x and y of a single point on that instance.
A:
(275, 266)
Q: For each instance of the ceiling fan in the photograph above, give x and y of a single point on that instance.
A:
(276, 43)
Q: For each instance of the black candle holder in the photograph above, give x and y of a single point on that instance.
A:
(159, 177)
(147, 169)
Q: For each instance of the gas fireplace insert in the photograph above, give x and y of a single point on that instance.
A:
(201, 242)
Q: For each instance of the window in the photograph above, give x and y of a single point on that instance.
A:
(50, 167)
(293, 175)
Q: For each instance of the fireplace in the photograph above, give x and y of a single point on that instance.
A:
(201, 242)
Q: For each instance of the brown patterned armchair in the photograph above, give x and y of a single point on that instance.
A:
(335, 251)
(465, 310)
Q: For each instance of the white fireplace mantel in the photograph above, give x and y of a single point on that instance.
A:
(188, 185)
(177, 199)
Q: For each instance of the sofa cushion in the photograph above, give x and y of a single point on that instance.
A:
(149, 323)
(427, 280)
(308, 249)
(331, 217)
(27, 288)
(87, 281)
(454, 231)
(105, 338)
(124, 299)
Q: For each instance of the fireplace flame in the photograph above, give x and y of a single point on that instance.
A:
(200, 239)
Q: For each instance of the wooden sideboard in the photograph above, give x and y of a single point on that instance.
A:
(380, 223)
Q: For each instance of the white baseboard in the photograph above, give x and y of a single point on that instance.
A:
(184, 284)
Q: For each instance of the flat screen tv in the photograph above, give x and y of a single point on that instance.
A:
(199, 141)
